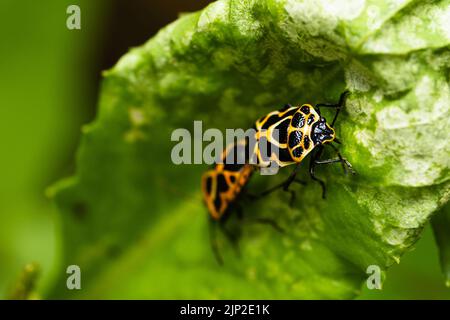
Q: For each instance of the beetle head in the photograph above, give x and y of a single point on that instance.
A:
(321, 132)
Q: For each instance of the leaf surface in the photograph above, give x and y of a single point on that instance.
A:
(135, 223)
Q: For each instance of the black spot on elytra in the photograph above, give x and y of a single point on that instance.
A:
(305, 110)
(297, 152)
(281, 130)
(232, 179)
(222, 184)
(311, 119)
(294, 138)
(283, 155)
(208, 185)
(217, 202)
(270, 121)
(298, 120)
(306, 142)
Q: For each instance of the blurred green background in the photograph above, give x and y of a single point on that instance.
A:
(49, 85)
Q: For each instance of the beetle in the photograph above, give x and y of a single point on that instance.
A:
(223, 188)
(300, 131)
(222, 185)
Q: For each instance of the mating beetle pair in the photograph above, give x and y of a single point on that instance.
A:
(301, 129)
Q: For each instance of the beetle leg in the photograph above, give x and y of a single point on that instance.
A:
(239, 212)
(285, 184)
(293, 197)
(251, 196)
(346, 165)
(312, 164)
(338, 106)
(344, 161)
(300, 182)
(213, 241)
(232, 237)
(269, 222)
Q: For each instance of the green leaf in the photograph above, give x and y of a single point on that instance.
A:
(135, 223)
